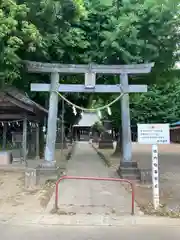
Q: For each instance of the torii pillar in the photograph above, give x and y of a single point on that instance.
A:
(52, 120)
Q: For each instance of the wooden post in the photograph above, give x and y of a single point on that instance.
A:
(37, 141)
(24, 143)
(4, 136)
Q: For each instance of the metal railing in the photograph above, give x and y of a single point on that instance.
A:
(96, 179)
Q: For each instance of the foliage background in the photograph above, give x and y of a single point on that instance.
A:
(106, 32)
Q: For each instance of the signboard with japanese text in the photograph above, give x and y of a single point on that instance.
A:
(153, 134)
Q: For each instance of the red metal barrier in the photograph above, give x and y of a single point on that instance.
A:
(95, 179)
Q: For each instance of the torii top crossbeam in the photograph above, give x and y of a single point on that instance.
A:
(93, 68)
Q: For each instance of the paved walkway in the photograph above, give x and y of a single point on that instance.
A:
(92, 197)
(37, 232)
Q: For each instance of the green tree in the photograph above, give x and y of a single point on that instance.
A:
(76, 31)
(133, 31)
(16, 34)
(161, 104)
(61, 42)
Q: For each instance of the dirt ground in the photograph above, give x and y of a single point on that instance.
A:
(169, 166)
(15, 199)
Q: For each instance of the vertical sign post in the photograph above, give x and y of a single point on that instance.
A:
(154, 134)
(62, 128)
(155, 176)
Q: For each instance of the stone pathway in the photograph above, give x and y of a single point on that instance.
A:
(92, 197)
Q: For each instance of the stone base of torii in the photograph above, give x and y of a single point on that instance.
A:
(128, 168)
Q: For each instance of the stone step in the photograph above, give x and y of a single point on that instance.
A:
(130, 177)
(130, 169)
(129, 173)
(93, 209)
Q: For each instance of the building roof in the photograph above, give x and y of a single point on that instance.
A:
(88, 119)
(15, 104)
(175, 124)
(23, 98)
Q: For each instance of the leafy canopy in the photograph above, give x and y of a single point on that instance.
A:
(77, 31)
(16, 34)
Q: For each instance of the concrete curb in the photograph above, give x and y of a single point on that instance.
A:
(106, 161)
(86, 220)
(70, 153)
(100, 220)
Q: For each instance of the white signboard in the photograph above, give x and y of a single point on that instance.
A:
(153, 134)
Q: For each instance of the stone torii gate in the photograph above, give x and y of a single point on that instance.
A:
(89, 87)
